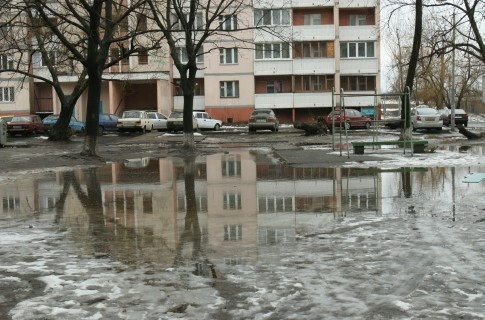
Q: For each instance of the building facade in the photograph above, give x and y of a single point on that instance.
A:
(298, 61)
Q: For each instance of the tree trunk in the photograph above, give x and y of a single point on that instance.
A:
(60, 131)
(413, 62)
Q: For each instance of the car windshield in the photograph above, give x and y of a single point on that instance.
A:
(460, 111)
(21, 119)
(132, 114)
(176, 115)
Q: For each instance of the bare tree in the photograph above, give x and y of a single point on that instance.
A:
(74, 39)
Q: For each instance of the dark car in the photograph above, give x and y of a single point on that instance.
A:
(75, 125)
(107, 122)
(351, 118)
(461, 117)
(263, 119)
(28, 124)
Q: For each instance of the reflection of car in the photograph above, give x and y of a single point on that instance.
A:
(74, 124)
(461, 117)
(134, 120)
(107, 122)
(25, 124)
(425, 118)
(205, 121)
(175, 122)
(158, 121)
(350, 117)
(263, 119)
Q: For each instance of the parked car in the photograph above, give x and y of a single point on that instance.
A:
(175, 122)
(350, 118)
(461, 117)
(134, 120)
(426, 118)
(205, 121)
(158, 121)
(29, 124)
(107, 122)
(75, 125)
(263, 119)
(7, 119)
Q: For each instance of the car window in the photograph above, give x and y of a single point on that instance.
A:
(132, 114)
(176, 115)
(161, 116)
(21, 119)
(151, 115)
(427, 111)
(206, 116)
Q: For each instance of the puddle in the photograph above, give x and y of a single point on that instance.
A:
(251, 225)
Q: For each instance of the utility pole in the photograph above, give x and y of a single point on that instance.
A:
(453, 93)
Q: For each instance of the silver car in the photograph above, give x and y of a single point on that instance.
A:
(426, 118)
(263, 119)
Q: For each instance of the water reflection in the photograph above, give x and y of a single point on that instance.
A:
(224, 208)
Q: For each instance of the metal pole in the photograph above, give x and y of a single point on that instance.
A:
(452, 121)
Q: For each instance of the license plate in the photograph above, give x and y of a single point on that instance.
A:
(17, 127)
(260, 120)
(429, 118)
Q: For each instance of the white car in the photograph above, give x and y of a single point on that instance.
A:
(134, 120)
(423, 117)
(205, 121)
(158, 120)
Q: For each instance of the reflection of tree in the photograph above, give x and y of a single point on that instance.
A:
(407, 185)
(192, 232)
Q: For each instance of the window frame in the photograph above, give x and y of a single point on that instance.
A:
(6, 61)
(358, 20)
(228, 22)
(267, 51)
(7, 94)
(277, 17)
(227, 87)
(351, 49)
(224, 53)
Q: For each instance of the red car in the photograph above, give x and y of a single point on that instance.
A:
(29, 124)
(352, 119)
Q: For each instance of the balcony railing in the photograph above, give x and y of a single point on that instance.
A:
(353, 66)
(272, 67)
(357, 3)
(274, 100)
(314, 33)
(314, 66)
(354, 100)
(352, 33)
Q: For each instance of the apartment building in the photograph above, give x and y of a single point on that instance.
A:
(304, 53)
(298, 61)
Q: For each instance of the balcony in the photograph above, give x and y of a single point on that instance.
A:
(274, 100)
(354, 100)
(356, 66)
(199, 74)
(273, 34)
(352, 33)
(268, 4)
(272, 67)
(199, 103)
(357, 3)
(314, 66)
(313, 100)
(312, 3)
(314, 33)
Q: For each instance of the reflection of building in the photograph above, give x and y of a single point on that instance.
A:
(245, 203)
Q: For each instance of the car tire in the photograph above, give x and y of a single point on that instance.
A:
(34, 132)
(347, 125)
(217, 127)
(252, 130)
(100, 130)
(143, 130)
(367, 125)
(466, 124)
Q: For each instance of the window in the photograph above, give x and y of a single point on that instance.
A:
(272, 51)
(271, 17)
(6, 62)
(229, 89)
(228, 56)
(233, 232)
(178, 24)
(314, 83)
(312, 19)
(7, 94)
(143, 56)
(114, 53)
(314, 49)
(358, 20)
(52, 59)
(184, 58)
(358, 83)
(142, 22)
(357, 49)
(231, 166)
(232, 201)
(274, 86)
(228, 22)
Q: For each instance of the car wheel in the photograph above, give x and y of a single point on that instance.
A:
(151, 128)
(367, 125)
(252, 130)
(412, 127)
(143, 130)
(466, 124)
(100, 130)
(34, 132)
(347, 125)
(217, 127)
